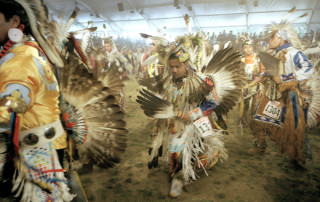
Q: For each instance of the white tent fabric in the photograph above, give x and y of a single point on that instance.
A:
(209, 15)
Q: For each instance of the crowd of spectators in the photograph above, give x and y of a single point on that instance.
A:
(134, 50)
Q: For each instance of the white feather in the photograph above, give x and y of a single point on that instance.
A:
(310, 51)
(150, 60)
(314, 105)
(44, 44)
(223, 81)
(166, 113)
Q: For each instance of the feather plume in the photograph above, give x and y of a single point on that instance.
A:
(289, 13)
(150, 60)
(159, 39)
(59, 30)
(72, 18)
(39, 23)
(187, 21)
(106, 34)
(86, 38)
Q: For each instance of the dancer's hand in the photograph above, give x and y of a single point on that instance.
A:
(258, 79)
(183, 116)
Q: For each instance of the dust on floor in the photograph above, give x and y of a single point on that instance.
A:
(240, 178)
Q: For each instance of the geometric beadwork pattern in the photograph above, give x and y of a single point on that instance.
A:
(40, 166)
(39, 160)
(267, 120)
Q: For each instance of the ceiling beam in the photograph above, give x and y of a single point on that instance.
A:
(313, 10)
(118, 30)
(221, 27)
(207, 15)
(145, 17)
(221, 14)
(211, 2)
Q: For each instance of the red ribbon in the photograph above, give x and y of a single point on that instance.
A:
(16, 134)
(53, 170)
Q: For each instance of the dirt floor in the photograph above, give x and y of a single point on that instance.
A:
(241, 178)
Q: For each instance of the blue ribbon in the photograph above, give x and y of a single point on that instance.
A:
(294, 102)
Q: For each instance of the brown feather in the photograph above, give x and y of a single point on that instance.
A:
(271, 63)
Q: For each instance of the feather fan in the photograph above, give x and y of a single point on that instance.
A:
(153, 84)
(96, 102)
(314, 104)
(227, 73)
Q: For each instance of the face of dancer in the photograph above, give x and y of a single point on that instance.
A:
(6, 25)
(108, 47)
(152, 46)
(248, 49)
(177, 68)
(275, 42)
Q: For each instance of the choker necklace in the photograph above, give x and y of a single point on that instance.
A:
(9, 44)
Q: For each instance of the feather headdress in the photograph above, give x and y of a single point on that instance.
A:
(39, 23)
(285, 31)
(197, 46)
(164, 46)
(245, 40)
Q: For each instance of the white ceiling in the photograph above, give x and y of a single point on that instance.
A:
(209, 15)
